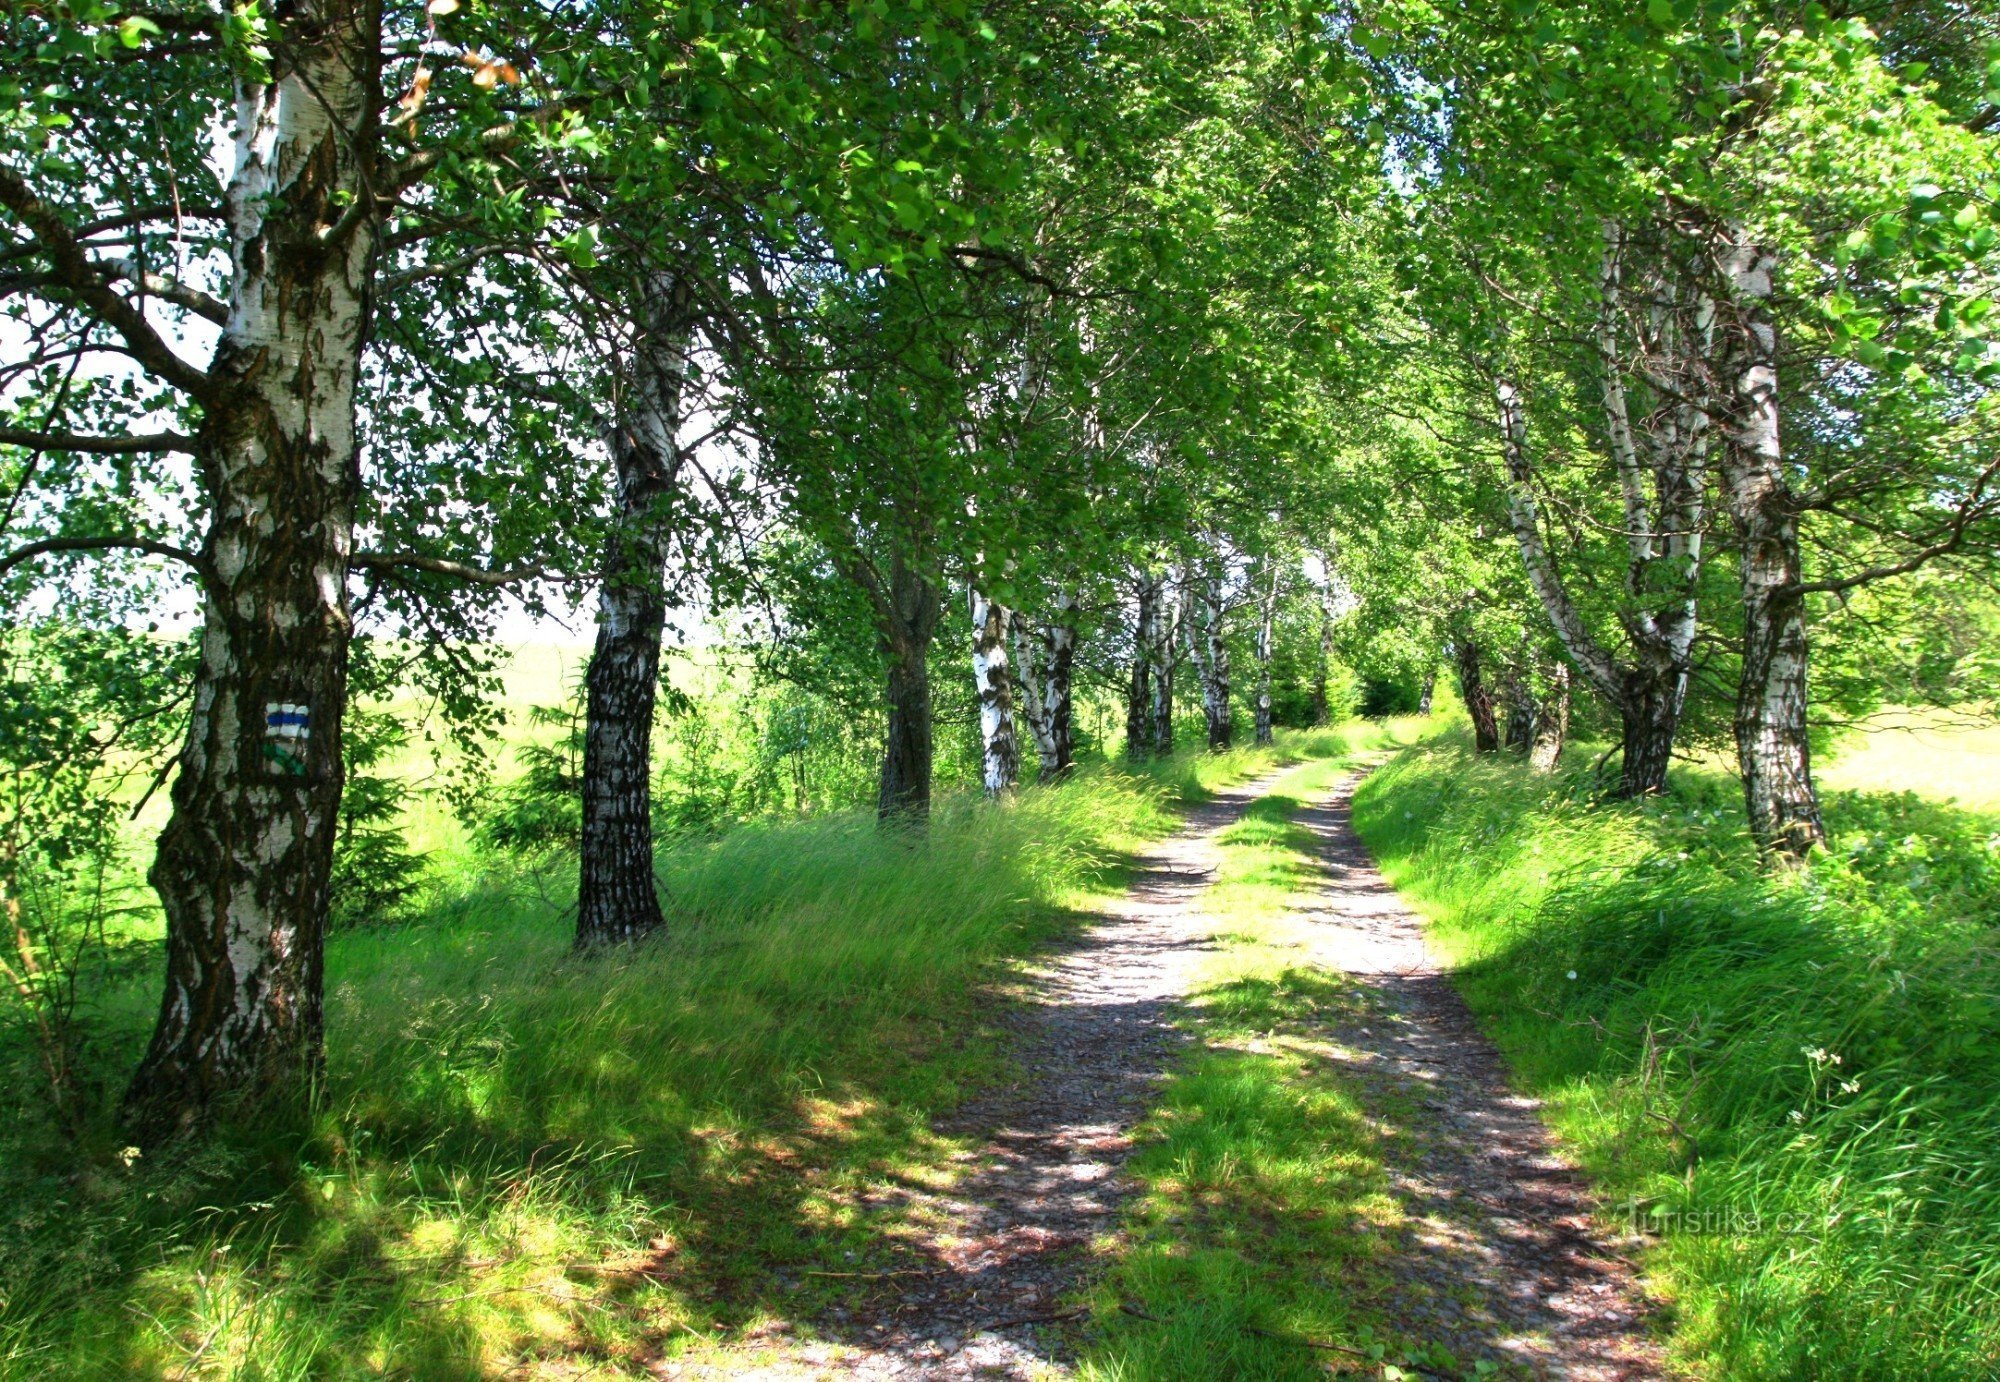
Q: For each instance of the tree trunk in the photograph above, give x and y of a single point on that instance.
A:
(1426, 690)
(1211, 657)
(1519, 696)
(1265, 626)
(244, 860)
(1478, 700)
(1663, 531)
(1139, 690)
(1551, 722)
(1058, 688)
(617, 894)
(992, 624)
(1771, 739)
(1166, 661)
(909, 622)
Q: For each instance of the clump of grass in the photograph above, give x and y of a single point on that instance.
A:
(1789, 1079)
(526, 1159)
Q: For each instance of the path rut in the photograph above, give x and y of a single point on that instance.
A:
(1499, 1218)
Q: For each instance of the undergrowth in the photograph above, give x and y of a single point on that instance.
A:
(1789, 1081)
(525, 1160)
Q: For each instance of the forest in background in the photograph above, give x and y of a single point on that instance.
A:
(969, 430)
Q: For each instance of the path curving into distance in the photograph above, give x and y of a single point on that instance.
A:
(1498, 1218)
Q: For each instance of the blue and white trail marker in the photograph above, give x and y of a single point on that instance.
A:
(286, 729)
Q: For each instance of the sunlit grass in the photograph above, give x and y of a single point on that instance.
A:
(536, 1164)
(1941, 757)
(1789, 1079)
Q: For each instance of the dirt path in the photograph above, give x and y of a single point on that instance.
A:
(1504, 1263)
(1096, 1041)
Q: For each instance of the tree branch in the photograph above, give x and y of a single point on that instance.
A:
(438, 566)
(171, 290)
(1976, 506)
(85, 277)
(98, 544)
(96, 446)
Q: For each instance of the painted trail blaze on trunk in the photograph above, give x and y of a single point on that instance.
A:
(1771, 704)
(243, 863)
(910, 621)
(617, 890)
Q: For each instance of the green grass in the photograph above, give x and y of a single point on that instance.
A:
(1791, 1081)
(1267, 1216)
(533, 1162)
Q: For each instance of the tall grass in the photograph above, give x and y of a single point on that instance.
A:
(1790, 1082)
(528, 1159)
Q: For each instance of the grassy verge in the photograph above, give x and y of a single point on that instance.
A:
(1267, 1216)
(1792, 1082)
(535, 1164)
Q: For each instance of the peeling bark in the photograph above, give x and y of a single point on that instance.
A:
(243, 863)
(992, 626)
(1771, 704)
(1425, 692)
(617, 892)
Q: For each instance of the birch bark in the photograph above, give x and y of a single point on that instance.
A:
(1478, 700)
(992, 627)
(243, 862)
(617, 895)
(1266, 624)
(1206, 644)
(1551, 722)
(1166, 662)
(1771, 705)
(1139, 688)
(1662, 501)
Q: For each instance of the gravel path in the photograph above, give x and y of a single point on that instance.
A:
(1096, 1040)
(1503, 1263)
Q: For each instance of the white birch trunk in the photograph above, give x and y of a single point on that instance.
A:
(243, 863)
(616, 895)
(1266, 626)
(1000, 749)
(1771, 706)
